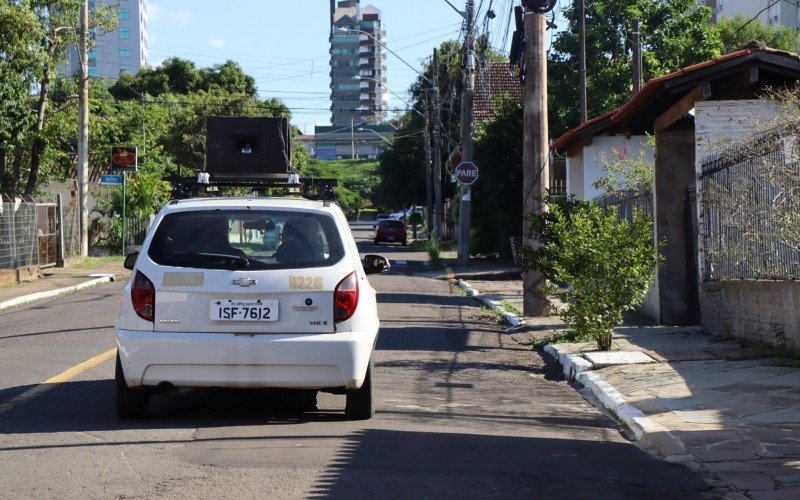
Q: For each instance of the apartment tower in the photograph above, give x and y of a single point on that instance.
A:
(358, 65)
(124, 50)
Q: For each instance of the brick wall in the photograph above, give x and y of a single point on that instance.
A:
(759, 311)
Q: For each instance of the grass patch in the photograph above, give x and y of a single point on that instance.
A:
(561, 337)
(460, 291)
(510, 308)
(89, 262)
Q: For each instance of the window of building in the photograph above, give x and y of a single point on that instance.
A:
(124, 52)
(124, 14)
(92, 54)
(348, 86)
(124, 33)
(124, 69)
(92, 71)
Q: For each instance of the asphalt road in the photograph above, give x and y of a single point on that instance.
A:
(462, 411)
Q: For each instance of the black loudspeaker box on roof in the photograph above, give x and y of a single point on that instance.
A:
(240, 147)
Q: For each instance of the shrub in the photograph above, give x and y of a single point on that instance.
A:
(608, 264)
(434, 252)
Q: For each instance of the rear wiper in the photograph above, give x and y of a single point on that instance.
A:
(216, 257)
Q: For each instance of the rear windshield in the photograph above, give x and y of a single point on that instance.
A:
(392, 223)
(246, 239)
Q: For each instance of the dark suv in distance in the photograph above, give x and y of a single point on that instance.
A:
(391, 231)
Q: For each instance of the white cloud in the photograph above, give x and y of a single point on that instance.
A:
(156, 13)
(216, 42)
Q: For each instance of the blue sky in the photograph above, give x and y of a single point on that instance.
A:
(284, 44)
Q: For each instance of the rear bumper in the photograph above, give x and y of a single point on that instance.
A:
(302, 361)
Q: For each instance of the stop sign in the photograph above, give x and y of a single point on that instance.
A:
(466, 172)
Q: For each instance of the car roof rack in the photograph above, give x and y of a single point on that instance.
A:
(204, 186)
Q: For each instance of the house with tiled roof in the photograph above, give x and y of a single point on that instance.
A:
(686, 113)
(495, 81)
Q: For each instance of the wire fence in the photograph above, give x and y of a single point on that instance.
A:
(627, 202)
(19, 246)
(750, 202)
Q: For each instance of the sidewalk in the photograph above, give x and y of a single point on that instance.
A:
(714, 404)
(58, 281)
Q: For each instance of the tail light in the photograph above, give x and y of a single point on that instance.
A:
(345, 298)
(143, 296)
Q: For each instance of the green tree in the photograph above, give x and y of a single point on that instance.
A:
(735, 32)
(497, 196)
(674, 34)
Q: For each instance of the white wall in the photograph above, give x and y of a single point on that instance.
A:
(575, 174)
(722, 123)
(601, 151)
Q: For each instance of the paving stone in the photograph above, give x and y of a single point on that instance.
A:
(782, 494)
(729, 450)
(611, 358)
(789, 480)
(748, 481)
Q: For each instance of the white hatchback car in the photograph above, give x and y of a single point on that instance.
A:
(210, 305)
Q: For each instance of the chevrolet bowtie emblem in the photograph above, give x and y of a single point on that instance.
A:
(245, 281)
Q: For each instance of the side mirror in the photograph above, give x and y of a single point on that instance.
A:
(130, 260)
(374, 264)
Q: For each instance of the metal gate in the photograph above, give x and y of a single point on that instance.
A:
(46, 233)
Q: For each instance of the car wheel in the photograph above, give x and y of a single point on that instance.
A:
(131, 403)
(308, 400)
(376, 242)
(360, 401)
(404, 243)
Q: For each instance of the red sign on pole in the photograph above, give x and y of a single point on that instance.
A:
(466, 173)
(124, 158)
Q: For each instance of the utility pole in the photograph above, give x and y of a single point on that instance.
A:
(352, 140)
(426, 143)
(637, 58)
(535, 154)
(438, 216)
(582, 58)
(83, 130)
(465, 205)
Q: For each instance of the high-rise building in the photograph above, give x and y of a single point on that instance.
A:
(124, 50)
(358, 65)
(769, 12)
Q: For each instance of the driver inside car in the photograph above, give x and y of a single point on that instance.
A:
(299, 242)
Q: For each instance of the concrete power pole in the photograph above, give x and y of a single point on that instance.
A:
(637, 58)
(465, 205)
(535, 154)
(426, 143)
(83, 130)
(582, 58)
(438, 216)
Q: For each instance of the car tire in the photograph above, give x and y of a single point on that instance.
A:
(131, 403)
(360, 404)
(404, 243)
(376, 242)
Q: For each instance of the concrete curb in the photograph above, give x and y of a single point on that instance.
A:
(572, 364)
(25, 299)
(495, 305)
(643, 427)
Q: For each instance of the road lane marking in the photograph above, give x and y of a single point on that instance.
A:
(52, 382)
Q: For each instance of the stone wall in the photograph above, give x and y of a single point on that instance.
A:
(758, 311)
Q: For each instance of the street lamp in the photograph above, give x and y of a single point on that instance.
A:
(362, 129)
(412, 108)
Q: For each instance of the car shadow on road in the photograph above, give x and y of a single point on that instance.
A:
(82, 406)
(401, 464)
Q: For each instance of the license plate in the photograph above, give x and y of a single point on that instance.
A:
(244, 310)
(390, 238)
